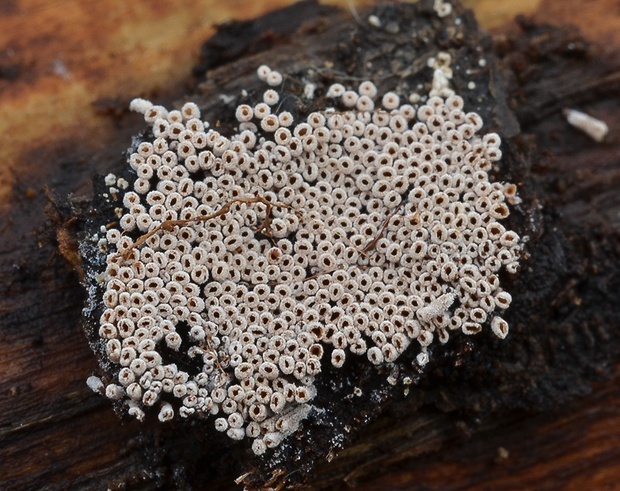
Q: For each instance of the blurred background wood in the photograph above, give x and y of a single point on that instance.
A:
(67, 71)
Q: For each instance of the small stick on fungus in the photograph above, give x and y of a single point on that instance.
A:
(374, 241)
(264, 227)
(242, 477)
(169, 225)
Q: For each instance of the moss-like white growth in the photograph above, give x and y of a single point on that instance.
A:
(369, 230)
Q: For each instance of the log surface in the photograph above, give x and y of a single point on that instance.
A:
(67, 71)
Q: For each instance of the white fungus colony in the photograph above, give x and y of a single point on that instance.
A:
(359, 230)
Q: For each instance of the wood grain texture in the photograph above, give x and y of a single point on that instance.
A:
(59, 58)
(67, 70)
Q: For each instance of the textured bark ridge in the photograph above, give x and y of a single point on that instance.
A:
(563, 319)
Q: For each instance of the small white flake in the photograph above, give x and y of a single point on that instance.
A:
(374, 21)
(95, 384)
(110, 180)
(594, 128)
(309, 89)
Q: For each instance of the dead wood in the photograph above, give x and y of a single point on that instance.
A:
(477, 395)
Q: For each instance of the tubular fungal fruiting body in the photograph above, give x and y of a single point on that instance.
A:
(369, 229)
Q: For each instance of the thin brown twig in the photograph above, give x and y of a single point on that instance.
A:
(374, 241)
(169, 225)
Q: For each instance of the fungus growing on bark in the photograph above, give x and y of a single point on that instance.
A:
(369, 229)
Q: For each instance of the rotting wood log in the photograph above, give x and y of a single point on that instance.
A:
(564, 321)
